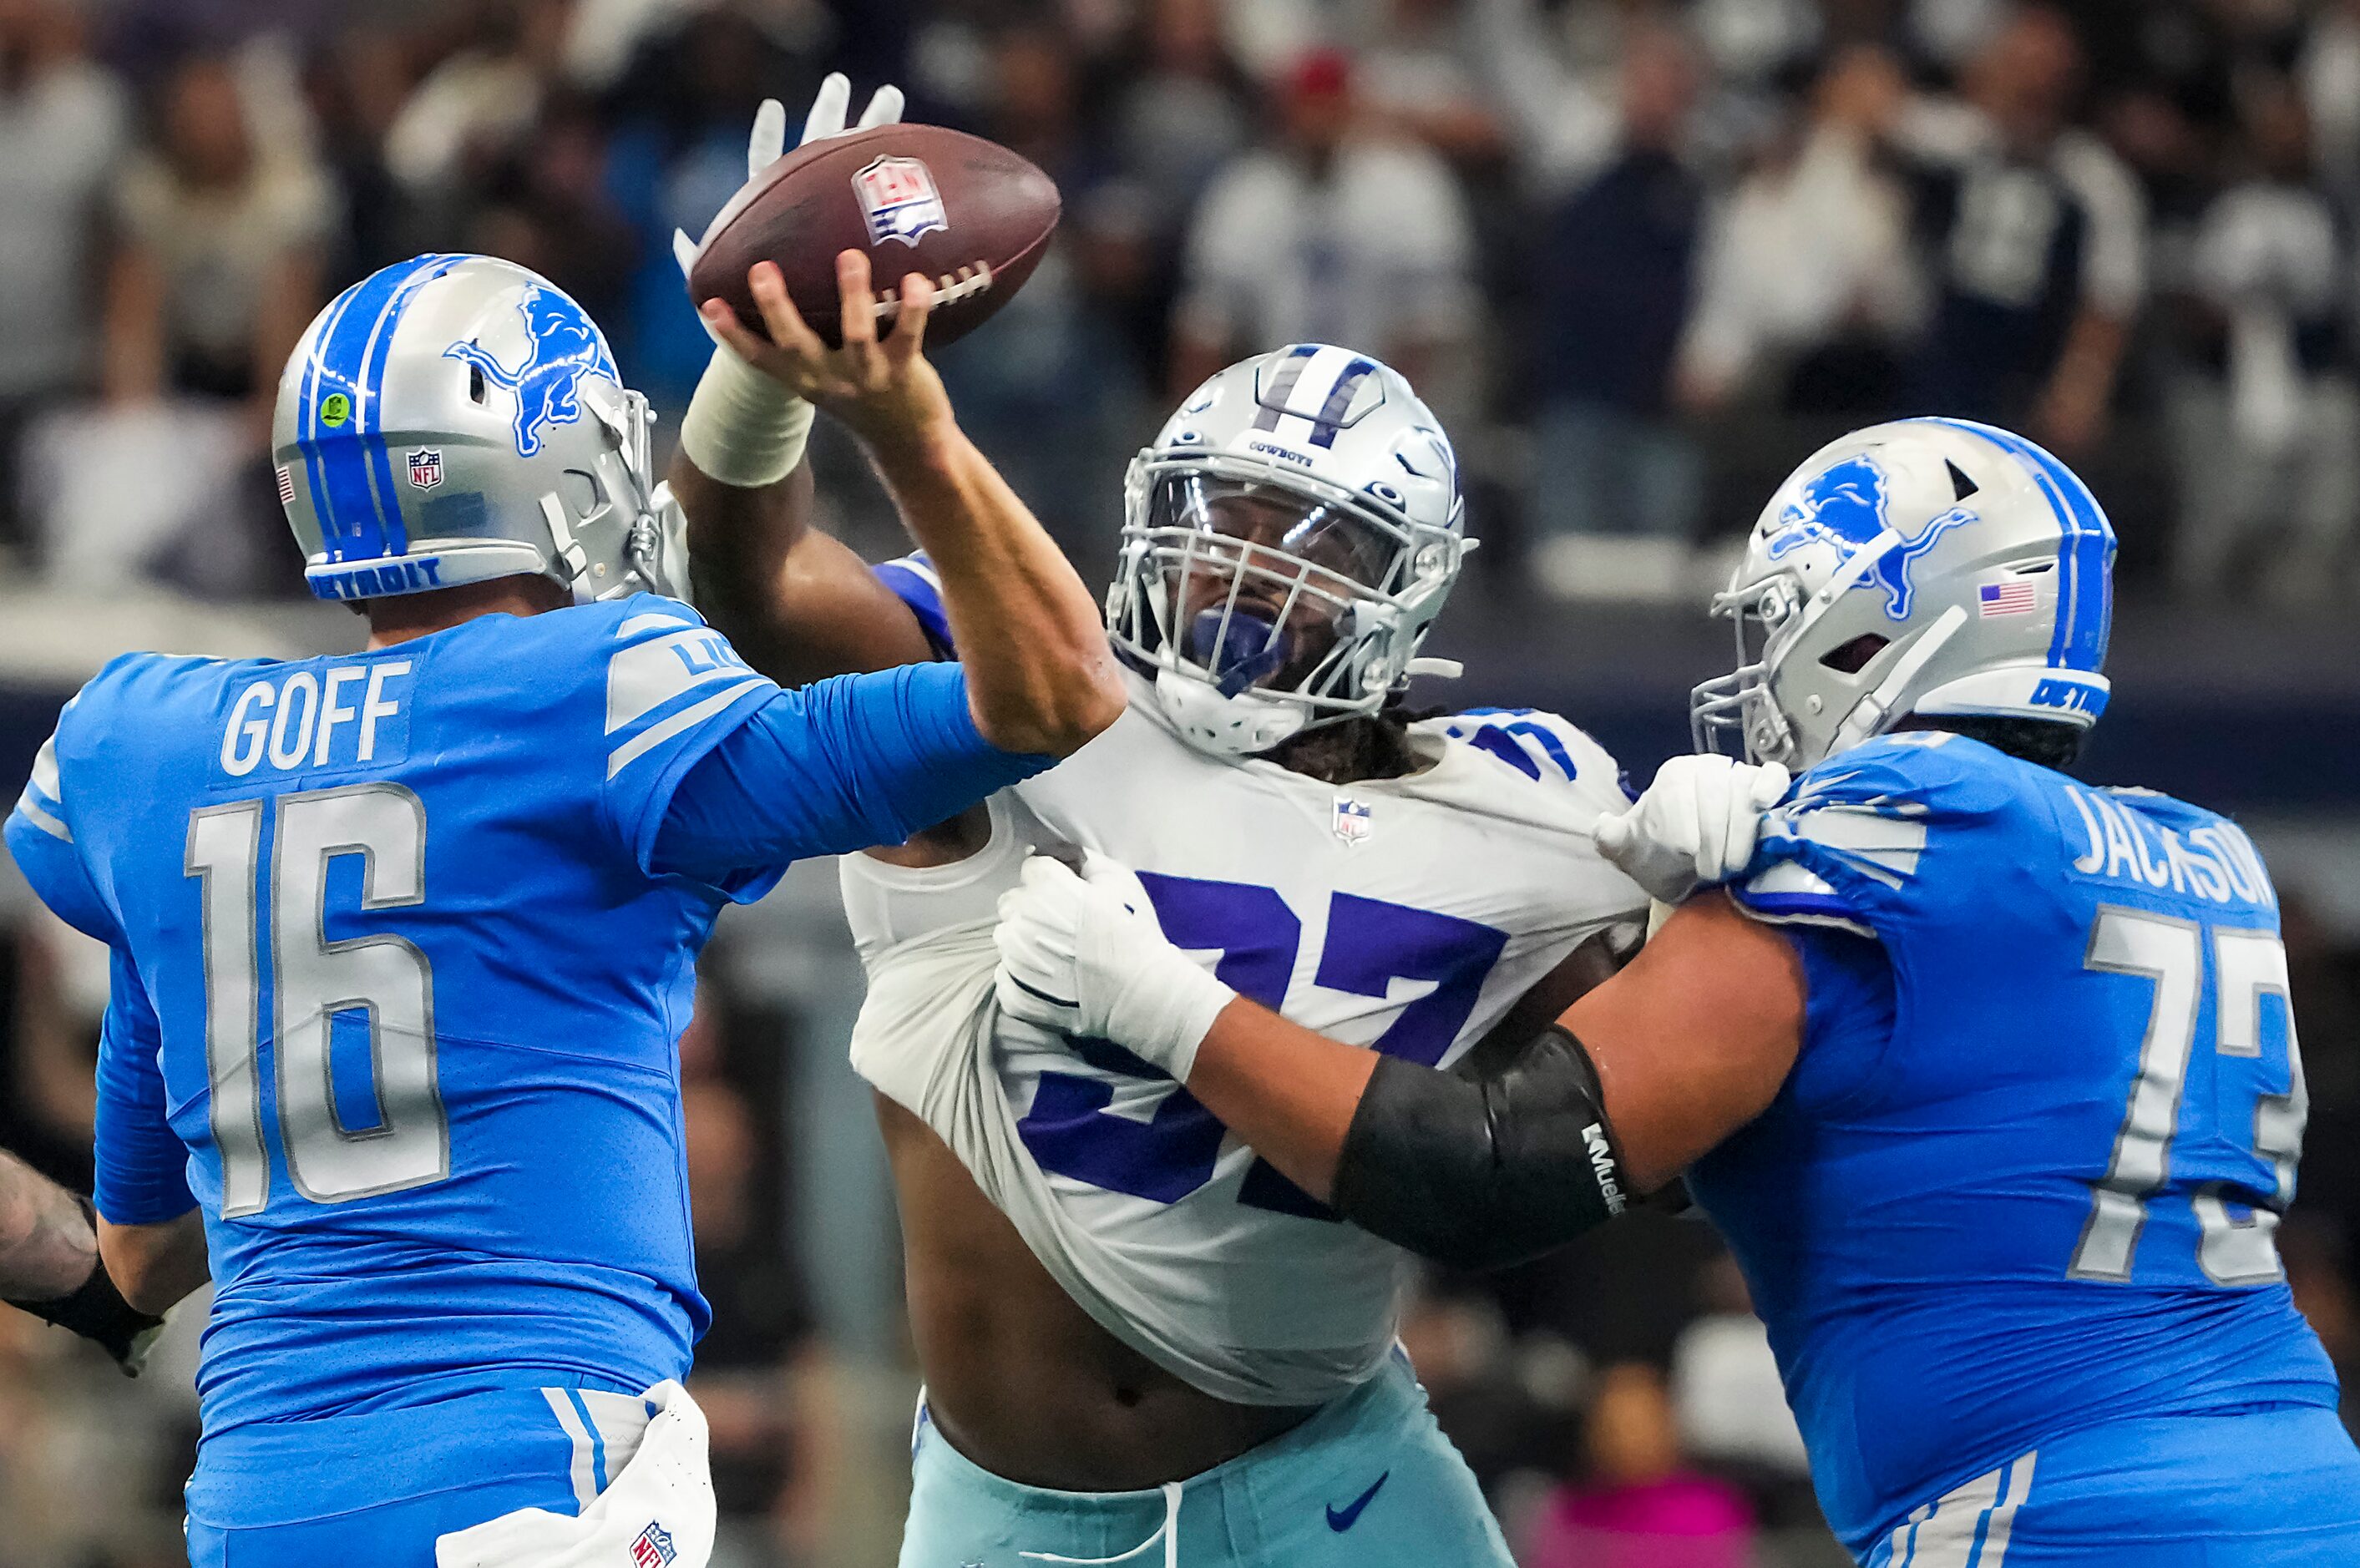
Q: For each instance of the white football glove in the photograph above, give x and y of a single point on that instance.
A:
(742, 428)
(1084, 956)
(1694, 827)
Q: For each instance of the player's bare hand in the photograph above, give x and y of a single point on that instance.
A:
(878, 382)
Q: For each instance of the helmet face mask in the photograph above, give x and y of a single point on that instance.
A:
(1923, 567)
(1288, 540)
(455, 419)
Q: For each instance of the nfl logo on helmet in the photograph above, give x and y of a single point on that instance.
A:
(426, 467)
(898, 198)
(652, 1548)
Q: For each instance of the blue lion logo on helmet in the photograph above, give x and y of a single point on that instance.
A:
(565, 347)
(1844, 508)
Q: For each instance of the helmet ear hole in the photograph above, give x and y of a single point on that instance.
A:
(1853, 657)
(476, 384)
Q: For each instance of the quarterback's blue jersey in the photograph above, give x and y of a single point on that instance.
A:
(404, 945)
(2023, 1176)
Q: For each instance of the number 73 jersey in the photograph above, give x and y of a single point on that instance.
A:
(1406, 915)
(2025, 1174)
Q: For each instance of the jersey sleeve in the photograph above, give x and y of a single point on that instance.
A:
(841, 765)
(40, 830)
(142, 1166)
(1849, 1006)
(914, 580)
(1847, 848)
(675, 689)
(1547, 748)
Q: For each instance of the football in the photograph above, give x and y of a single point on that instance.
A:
(968, 213)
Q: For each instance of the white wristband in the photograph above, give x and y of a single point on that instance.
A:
(742, 428)
(1165, 1016)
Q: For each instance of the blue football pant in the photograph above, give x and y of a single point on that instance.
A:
(2275, 1487)
(378, 1490)
(1369, 1481)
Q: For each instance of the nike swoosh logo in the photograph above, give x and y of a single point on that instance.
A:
(1343, 1519)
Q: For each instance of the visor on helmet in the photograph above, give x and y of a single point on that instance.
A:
(1256, 585)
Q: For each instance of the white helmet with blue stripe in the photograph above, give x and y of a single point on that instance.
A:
(457, 417)
(1288, 537)
(1925, 567)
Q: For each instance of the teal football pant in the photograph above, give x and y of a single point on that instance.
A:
(1369, 1481)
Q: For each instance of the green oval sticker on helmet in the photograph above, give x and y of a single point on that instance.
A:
(335, 409)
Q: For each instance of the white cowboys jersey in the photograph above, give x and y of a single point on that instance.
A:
(1408, 915)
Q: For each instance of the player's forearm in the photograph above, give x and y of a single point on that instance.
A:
(47, 1247)
(157, 1265)
(1289, 1091)
(1040, 675)
(1478, 1171)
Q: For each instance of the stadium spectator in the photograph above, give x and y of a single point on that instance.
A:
(62, 124)
(221, 223)
(546, 204)
(1725, 1389)
(1807, 288)
(220, 265)
(2034, 233)
(1180, 108)
(1640, 1505)
(1617, 480)
(357, 85)
(1420, 72)
(1336, 234)
(676, 151)
(2266, 414)
(481, 100)
(1051, 399)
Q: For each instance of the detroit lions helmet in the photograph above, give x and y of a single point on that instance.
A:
(1922, 567)
(1288, 537)
(457, 417)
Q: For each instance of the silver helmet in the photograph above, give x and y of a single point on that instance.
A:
(1287, 539)
(1922, 567)
(457, 417)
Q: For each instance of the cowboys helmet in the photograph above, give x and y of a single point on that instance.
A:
(457, 417)
(1923, 567)
(1287, 539)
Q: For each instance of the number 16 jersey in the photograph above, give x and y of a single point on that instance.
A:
(403, 944)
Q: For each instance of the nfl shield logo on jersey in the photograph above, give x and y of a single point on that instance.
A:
(653, 1548)
(898, 198)
(426, 467)
(1354, 821)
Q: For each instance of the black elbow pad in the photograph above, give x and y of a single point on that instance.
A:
(1482, 1172)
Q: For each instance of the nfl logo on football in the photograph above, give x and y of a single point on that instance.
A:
(426, 467)
(1354, 821)
(898, 198)
(652, 1548)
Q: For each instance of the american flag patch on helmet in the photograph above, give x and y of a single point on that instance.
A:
(2015, 598)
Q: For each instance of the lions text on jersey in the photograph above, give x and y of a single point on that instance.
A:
(403, 943)
(2023, 1179)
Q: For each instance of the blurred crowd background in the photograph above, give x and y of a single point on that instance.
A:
(1643, 256)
